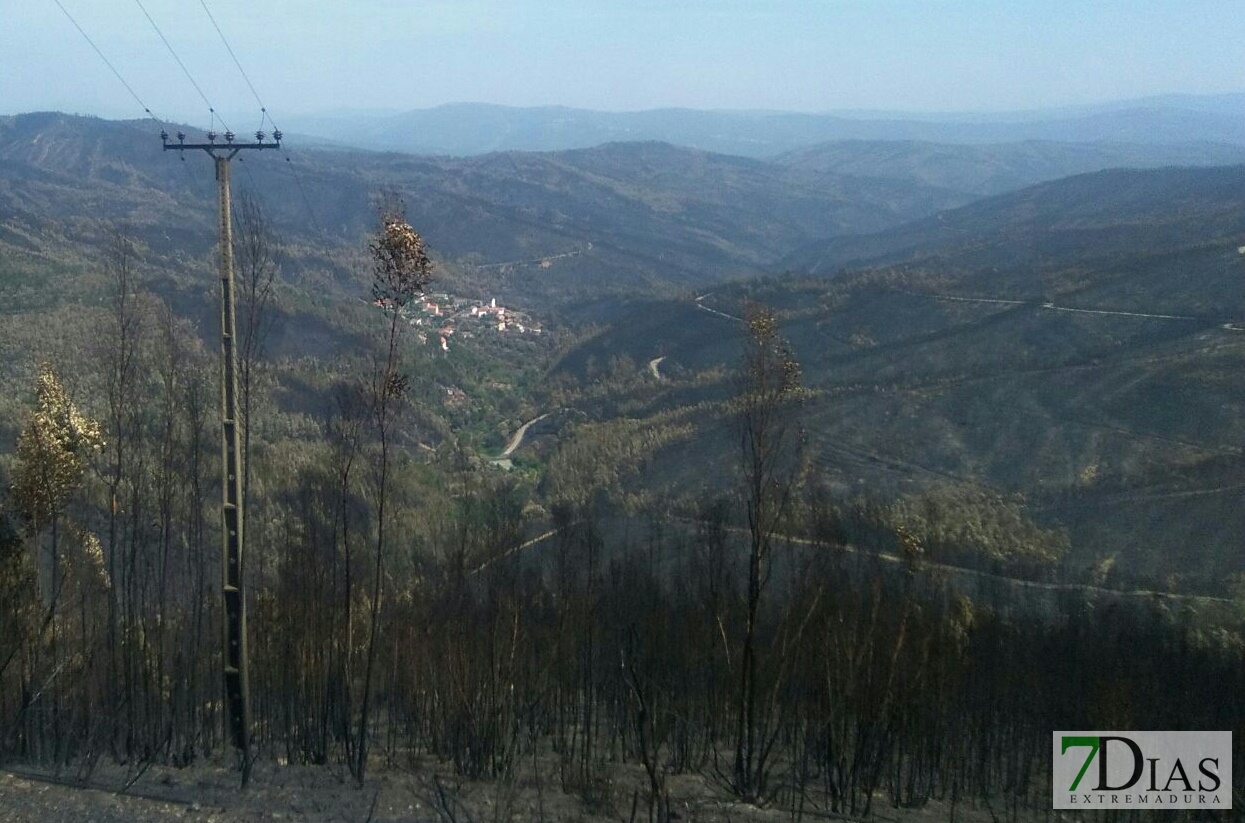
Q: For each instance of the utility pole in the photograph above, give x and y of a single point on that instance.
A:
(237, 683)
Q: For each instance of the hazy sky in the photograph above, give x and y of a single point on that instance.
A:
(805, 55)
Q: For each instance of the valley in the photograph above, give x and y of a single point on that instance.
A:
(936, 423)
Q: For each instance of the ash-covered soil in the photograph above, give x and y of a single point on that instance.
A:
(424, 793)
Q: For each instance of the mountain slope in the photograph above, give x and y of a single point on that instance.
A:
(1095, 215)
(984, 170)
(1083, 348)
(467, 129)
(630, 216)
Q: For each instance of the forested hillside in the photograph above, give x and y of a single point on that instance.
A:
(600, 511)
(1095, 217)
(616, 218)
(996, 168)
(1075, 343)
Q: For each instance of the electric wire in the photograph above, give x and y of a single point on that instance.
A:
(194, 178)
(264, 114)
(109, 64)
(185, 70)
(190, 175)
(306, 200)
(236, 62)
(302, 190)
(252, 188)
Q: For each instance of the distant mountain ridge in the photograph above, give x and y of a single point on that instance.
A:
(1103, 214)
(982, 170)
(620, 216)
(470, 128)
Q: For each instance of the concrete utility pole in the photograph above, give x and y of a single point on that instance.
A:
(237, 684)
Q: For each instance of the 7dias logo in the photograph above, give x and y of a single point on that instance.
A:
(1142, 770)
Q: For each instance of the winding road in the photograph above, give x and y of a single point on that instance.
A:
(535, 261)
(517, 439)
(703, 307)
(1053, 307)
(653, 366)
(925, 565)
(1048, 306)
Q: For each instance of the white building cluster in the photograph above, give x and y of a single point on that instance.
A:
(445, 315)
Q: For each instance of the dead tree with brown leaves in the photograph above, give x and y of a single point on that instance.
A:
(401, 271)
(770, 443)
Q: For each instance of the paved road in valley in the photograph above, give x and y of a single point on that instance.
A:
(700, 305)
(517, 439)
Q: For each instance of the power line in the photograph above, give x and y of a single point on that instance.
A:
(306, 200)
(264, 114)
(108, 63)
(298, 180)
(236, 62)
(185, 70)
(225, 40)
(194, 178)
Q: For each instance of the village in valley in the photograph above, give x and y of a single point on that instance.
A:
(438, 317)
